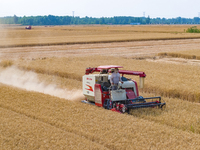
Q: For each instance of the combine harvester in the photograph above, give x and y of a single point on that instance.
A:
(28, 27)
(97, 90)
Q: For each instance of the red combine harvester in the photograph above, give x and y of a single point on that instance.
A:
(28, 27)
(97, 90)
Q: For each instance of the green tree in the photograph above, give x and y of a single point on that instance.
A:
(148, 20)
(193, 30)
(15, 18)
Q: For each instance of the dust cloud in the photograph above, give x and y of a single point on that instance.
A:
(29, 80)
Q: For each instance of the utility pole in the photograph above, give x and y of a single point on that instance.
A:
(72, 20)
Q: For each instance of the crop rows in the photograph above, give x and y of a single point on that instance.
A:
(34, 120)
(75, 125)
(45, 36)
(164, 79)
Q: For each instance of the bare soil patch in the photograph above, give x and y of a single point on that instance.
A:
(124, 49)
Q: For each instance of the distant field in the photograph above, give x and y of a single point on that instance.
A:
(58, 35)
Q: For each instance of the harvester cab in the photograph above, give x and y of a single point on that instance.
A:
(97, 90)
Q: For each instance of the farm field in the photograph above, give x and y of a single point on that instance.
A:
(54, 35)
(40, 89)
(177, 79)
(31, 120)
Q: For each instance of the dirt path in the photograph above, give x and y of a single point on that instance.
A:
(125, 49)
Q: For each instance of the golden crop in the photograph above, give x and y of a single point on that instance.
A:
(42, 121)
(31, 120)
(61, 35)
(6, 63)
(177, 80)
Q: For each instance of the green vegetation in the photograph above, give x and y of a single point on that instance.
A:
(193, 30)
(70, 20)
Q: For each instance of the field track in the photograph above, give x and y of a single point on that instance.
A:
(124, 49)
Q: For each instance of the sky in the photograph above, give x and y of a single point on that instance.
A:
(102, 8)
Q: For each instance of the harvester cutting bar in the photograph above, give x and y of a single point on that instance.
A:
(144, 104)
(139, 99)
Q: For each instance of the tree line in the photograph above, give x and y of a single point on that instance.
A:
(70, 20)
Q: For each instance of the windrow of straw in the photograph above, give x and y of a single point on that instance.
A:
(31, 120)
(180, 55)
(6, 63)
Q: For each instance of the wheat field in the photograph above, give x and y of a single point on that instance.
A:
(177, 80)
(31, 120)
(61, 35)
(40, 94)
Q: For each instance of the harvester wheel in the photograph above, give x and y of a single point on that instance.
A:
(105, 104)
(114, 105)
(128, 111)
(123, 109)
(110, 104)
